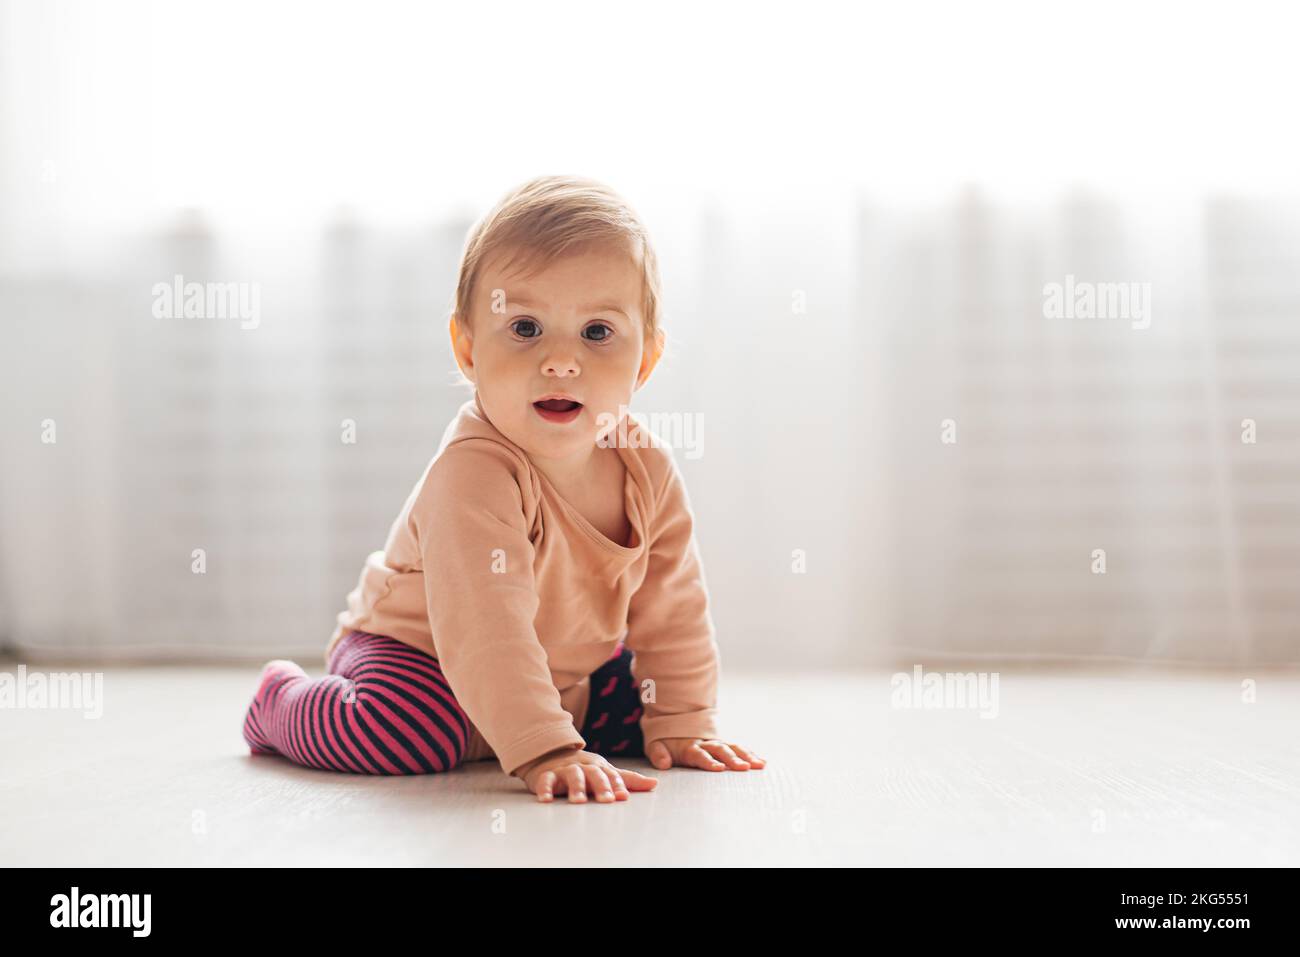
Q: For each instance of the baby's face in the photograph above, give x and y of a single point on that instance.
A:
(573, 328)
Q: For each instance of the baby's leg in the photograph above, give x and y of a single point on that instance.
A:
(612, 726)
(384, 708)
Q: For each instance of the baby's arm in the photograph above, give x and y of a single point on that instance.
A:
(482, 602)
(671, 636)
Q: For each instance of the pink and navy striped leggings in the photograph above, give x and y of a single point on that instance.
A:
(385, 708)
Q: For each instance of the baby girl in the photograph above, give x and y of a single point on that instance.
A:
(539, 599)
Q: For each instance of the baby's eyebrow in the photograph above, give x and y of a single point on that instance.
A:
(606, 307)
(595, 307)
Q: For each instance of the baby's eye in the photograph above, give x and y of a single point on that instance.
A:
(526, 328)
(606, 333)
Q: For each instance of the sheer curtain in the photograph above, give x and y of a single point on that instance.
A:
(903, 450)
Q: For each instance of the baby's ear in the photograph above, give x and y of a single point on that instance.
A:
(653, 352)
(460, 345)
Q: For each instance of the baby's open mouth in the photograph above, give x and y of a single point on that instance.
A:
(558, 405)
(558, 411)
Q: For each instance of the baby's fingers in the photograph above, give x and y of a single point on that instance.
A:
(576, 781)
(754, 760)
(546, 786)
(599, 784)
(659, 755)
(724, 754)
(616, 782)
(696, 757)
(633, 780)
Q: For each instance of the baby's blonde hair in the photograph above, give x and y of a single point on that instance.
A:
(546, 217)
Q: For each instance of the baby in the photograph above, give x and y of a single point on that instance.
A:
(539, 599)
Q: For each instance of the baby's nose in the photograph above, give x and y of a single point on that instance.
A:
(560, 366)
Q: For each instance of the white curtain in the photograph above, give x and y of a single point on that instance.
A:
(903, 452)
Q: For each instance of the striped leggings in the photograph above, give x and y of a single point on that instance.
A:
(385, 708)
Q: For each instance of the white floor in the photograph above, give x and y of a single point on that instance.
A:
(1105, 768)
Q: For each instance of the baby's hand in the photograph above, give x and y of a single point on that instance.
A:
(707, 753)
(579, 772)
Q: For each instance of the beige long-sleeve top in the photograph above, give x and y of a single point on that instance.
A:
(520, 598)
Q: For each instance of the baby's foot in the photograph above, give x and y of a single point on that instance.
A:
(274, 674)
